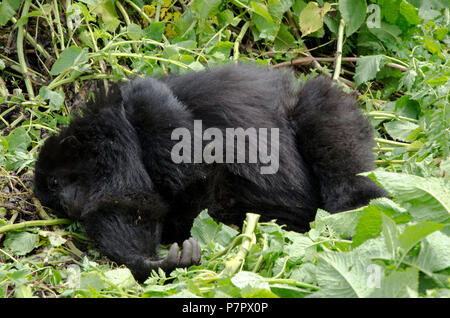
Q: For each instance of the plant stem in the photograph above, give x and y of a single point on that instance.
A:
(234, 265)
(58, 25)
(19, 226)
(20, 53)
(391, 142)
(340, 40)
(238, 41)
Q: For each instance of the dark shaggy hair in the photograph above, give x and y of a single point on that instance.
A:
(111, 168)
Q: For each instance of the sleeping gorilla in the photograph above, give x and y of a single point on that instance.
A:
(112, 169)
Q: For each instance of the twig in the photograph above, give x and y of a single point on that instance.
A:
(20, 54)
(340, 40)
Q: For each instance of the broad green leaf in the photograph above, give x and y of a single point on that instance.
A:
(398, 285)
(134, 31)
(390, 234)
(354, 13)
(300, 243)
(343, 223)
(156, 30)
(92, 280)
(400, 129)
(54, 237)
(17, 140)
(410, 13)
(261, 9)
(72, 57)
(311, 17)
(367, 68)
(389, 34)
(284, 40)
(206, 9)
(21, 243)
(343, 275)
(205, 230)
(415, 233)
(252, 285)
(369, 226)
(56, 99)
(434, 253)
(426, 199)
(120, 277)
(107, 10)
(8, 9)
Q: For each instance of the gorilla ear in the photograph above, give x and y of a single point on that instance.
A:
(70, 142)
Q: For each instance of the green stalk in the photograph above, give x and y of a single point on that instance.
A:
(20, 54)
(337, 70)
(239, 39)
(235, 264)
(58, 25)
(23, 225)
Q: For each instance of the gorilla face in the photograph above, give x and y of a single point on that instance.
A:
(59, 179)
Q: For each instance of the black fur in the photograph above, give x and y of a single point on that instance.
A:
(111, 168)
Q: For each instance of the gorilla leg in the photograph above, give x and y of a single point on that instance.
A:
(129, 236)
(336, 140)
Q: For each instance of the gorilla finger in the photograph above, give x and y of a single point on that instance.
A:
(186, 254)
(171, 259)
(197, 251)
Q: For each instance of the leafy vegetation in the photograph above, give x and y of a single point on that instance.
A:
(394, 53)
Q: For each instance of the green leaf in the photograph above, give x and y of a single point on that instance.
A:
(434, 253)
(398, 285)
(426, 199)
(252, 285)
(415, 233)
(400, 129)
(54, 238)
(354, 14)
(369, 226)
(311, 17)
(205, 230)
(71, 57)
(367, 68)
(156, 30)
(343, 223)
(261, 9)
(390, 234)
(92, 280)
(21, 243)
(342, 275)
(134, 31)
(17, 140)
(410, 13)
(120, 277)
(107, 10)
(56, 99)
(206, 9)
(8, 9)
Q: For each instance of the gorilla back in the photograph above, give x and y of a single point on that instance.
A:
(112, 168)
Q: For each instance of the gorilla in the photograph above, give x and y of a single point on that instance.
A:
(113, 169)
